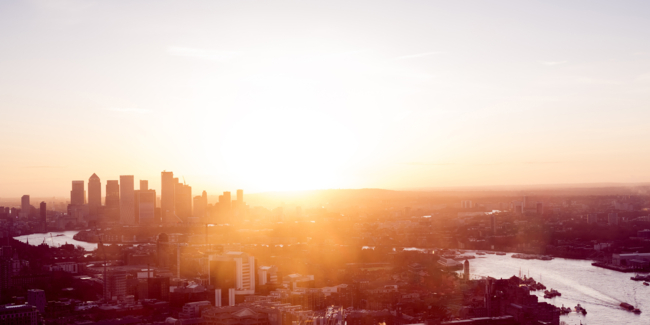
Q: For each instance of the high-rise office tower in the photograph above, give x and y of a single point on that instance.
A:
(43, 214)
(238, 206)
(94, 194)
(204, 196)
(523, 203)
(226, 207)
(146, 206)
(198, 210)
(187, 200)
(178, 201)
(182, 200)
(240, 197)
(24, 206)
(112, 201)
(218, 216)
(167, 197)
(78, 193)
(127, 200)
(540, 208)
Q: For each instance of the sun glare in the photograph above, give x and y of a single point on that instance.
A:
(292, 150)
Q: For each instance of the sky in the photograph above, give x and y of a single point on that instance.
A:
(293, 95)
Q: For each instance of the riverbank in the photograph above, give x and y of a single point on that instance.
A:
(599, 290)
(617, 268)
(56, 239)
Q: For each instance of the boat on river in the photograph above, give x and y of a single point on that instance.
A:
(548, 294)
(640, 277)
(629, 307)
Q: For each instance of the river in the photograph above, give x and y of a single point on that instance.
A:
(599, 290)
(56, 239)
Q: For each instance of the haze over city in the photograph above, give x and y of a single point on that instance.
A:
(305, 95)
(324, 162)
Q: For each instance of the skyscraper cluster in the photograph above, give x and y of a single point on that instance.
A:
(122, 202)
(178, 205)
(129, 206)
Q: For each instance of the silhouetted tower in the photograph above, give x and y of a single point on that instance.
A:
(94, 194)
(240, 197)
(227, 207)
(466, 270)
(127, 200)
(25, 206)
(144, 185)
(112, 201)
(204, 196)
(78, 193)
(43, 213)
(146, 209)
(167, 187)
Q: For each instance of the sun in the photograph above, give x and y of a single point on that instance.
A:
(288, 150)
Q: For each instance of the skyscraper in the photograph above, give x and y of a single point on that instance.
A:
(146, 206)
(127, 200)
(144, 185)
(167, 197)
(25, 206)
(198, 210)
(94, 194)
(182, 200)
(240, 197)
(43, 214)
(238, 206)
(112, 202)
(226, 207)
(78, 193)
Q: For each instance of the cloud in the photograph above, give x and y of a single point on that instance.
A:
(418, 55)
(215, 55)
(552, 63)
(129, 110)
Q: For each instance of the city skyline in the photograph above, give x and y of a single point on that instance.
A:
(216, 162)
(374, 96)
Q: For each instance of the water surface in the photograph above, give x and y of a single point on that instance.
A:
(599, 290)
(56, 238)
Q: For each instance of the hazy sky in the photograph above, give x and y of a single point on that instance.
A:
(267, 95)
